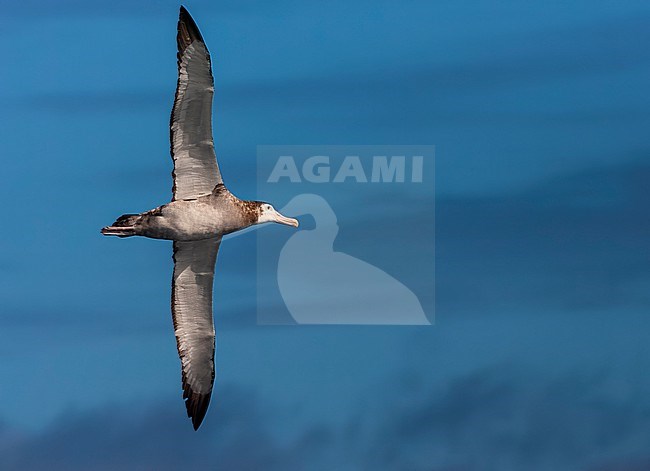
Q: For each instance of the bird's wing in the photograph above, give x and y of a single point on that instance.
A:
(196, 171)
(193, 325)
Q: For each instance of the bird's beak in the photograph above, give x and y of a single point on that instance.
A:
(279, 218)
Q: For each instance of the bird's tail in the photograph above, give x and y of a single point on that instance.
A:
(123, 227)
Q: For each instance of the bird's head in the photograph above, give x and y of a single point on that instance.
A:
(267, 213)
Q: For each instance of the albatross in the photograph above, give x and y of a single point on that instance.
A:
(201, 212)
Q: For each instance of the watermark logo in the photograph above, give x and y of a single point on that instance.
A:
(317, 169)
(364, 253)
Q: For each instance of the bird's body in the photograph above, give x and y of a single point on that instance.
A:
(202, 210)
(208, 216)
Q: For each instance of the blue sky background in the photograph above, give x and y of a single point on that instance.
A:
(539, 112)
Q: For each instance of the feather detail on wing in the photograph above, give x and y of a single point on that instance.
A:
(192, 285)
(196, 171)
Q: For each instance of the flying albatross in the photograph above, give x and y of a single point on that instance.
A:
(202, 210)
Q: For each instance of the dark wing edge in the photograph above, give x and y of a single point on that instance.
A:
(191, 299)
(188, 32)
(204, 172)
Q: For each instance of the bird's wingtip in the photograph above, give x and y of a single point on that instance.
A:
(197, 406)
(188, 31)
